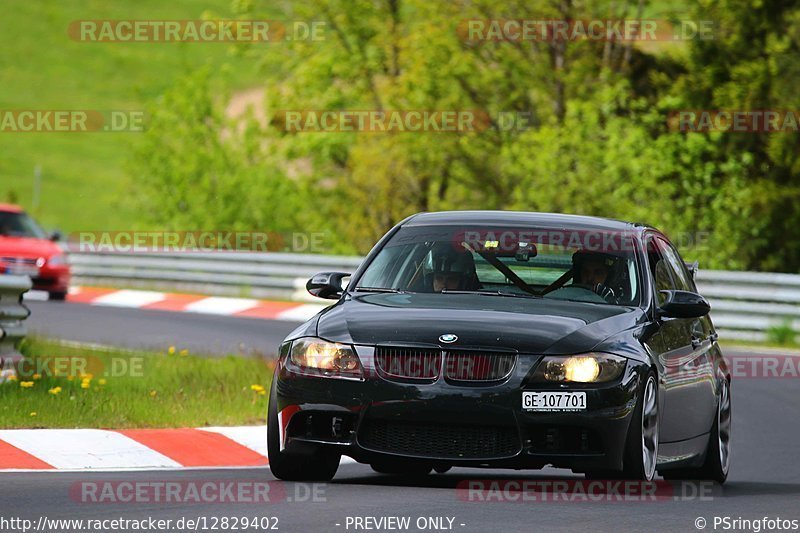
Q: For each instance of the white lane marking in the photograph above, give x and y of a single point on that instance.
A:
(253, 437)
(301, 313)
(85, 448)
(127, 298)
(345, 460)
(216, 305)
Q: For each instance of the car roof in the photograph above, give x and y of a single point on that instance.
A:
(11, 208)
(526, 218)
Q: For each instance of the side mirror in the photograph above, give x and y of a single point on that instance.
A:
(56, 236)
(684, 304)
(327, 285)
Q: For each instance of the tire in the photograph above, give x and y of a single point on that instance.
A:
(402, 468)
(58, 296)
(717, 458)
(641, 446)
(319, 466)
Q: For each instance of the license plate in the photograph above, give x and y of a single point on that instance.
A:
(23, 270)
(553, 401)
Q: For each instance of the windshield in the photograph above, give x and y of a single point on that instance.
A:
(19, 225)
(565, 264)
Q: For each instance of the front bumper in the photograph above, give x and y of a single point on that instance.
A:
(377, 420)
(55, 279)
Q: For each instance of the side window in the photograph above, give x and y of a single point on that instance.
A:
(659, 268)
(676, 266)
(392, 268)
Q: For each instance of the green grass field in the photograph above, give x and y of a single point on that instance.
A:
(84, 182)
(68, 386)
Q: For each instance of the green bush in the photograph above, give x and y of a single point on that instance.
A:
(782, 334)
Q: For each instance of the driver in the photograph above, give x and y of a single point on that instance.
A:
(454, 270)
(594, 270)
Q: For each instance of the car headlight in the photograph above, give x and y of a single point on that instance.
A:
(583, 368)
(329, 359)
(56, 260)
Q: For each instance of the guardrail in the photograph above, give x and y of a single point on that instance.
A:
(745, 305)
(259, 275)
(12, 321)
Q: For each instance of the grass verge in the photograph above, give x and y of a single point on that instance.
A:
(85, 185)
(69, 386)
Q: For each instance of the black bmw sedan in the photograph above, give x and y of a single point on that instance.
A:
(506, 340)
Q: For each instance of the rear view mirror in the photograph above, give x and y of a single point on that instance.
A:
(684, 304)
(525, 251)
(327, 285)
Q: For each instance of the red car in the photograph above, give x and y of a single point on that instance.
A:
(26, 249)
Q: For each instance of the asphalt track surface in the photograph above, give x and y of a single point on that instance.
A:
(764, 480)
(157, 330)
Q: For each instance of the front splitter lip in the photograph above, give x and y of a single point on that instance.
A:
(522, 460)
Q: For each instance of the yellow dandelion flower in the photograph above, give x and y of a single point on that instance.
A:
(12, 377)
(184, 353)
(153, 393)
(256, 388)
(87, 377)
(171, 350)
(102, 381)
(37, 376)
(54, 390)
(26, 384)
(33, 413)
(85, 384)
(262, 392)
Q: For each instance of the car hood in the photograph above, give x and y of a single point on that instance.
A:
(528, 325)
(27, 247)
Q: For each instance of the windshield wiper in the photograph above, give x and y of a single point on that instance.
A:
(377, 289)
(494, 293)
